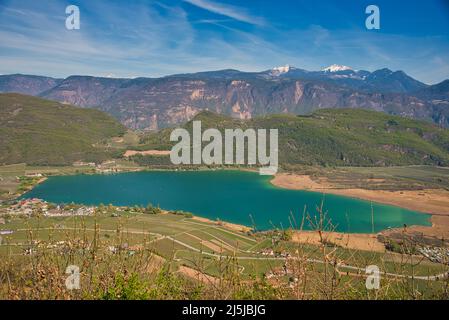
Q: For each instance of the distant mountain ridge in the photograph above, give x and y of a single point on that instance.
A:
(382, 80)
(154, 103)
(27, 84)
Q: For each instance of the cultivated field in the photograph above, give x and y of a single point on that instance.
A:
(204, 254)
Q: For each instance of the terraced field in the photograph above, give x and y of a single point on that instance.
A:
(189, 242)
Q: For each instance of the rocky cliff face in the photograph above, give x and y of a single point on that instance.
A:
(83, 90)
(154, 103)
(170, 101)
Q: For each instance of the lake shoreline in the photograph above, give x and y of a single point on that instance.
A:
(359, 241)
(428, 201)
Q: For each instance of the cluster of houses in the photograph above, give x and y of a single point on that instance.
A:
(283, 272)
(27, 207)
(270, 252)
(62, 211)
(279, 272)
(63, 247)
(37, 243)
(276, 274)
(124, 247)
(100, 168)
(33, 175)
(436, 254)
(83, 164)
(109, 166)
(38, 206)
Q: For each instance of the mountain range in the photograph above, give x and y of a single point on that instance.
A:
(155, 103)
(37, 131)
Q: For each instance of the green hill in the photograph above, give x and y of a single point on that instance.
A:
(339, 137)
(38, 131)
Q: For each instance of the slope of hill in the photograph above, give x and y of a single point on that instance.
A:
(437, 91)
(340, 137)
(38, 131)
(27, 84)
(84, 91)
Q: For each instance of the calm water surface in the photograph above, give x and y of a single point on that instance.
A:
(240, 197)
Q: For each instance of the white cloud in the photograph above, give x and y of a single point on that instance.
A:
(151, 39)
(228, 11)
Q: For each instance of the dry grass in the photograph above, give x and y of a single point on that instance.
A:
(137, 272)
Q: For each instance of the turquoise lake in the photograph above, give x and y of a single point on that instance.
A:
(235, 196)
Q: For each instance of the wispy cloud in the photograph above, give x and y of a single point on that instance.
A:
(157, 38)
(140, 39)
(233, 12)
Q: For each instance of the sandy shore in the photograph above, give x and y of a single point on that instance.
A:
(433, 201)
(439, 228)
(370, 242)
(42, 180)
(358, 241)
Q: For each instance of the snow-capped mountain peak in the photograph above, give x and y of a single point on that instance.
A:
(336, 68)
(281, 70)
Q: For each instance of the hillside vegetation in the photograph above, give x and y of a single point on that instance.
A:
(43, 132)
(338, 137)
(38, 131)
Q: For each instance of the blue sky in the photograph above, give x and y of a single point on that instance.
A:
(155, 38)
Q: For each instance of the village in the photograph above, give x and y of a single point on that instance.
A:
(435, 254)
(34, 206)
(109, 166)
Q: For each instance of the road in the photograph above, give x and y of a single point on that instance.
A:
(218, 256)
